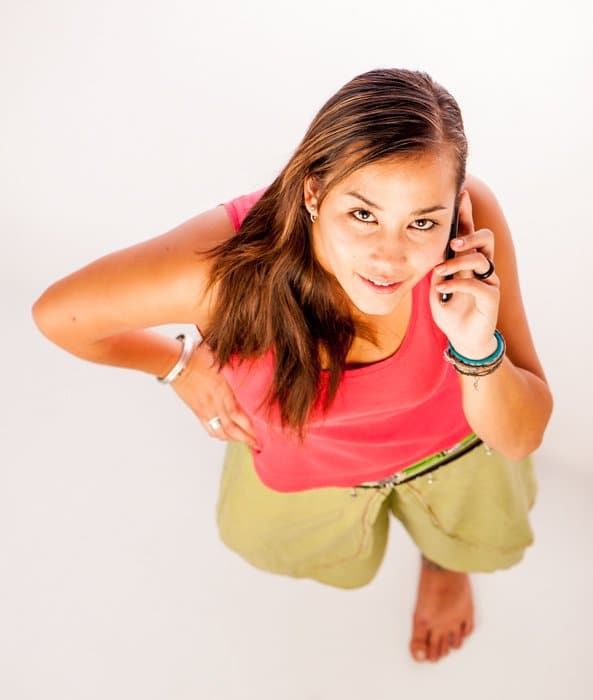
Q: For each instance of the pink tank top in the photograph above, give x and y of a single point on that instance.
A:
(386, 415)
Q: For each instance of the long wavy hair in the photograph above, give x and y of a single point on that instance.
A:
(272, 293)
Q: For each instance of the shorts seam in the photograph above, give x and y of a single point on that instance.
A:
(454, 536)
(367, 531)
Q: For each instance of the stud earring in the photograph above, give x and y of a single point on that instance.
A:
(313, 217)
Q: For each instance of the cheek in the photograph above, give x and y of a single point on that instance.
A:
(434, 252)
(343, 248)
(441, 248)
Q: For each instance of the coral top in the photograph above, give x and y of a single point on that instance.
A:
(386, 415)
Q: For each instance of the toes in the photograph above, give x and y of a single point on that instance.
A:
(467, 627)
(419, 643)
(434, 645)
(455, 639)
(418, 650)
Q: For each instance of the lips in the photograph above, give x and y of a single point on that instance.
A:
(381, 280)
(392, 286)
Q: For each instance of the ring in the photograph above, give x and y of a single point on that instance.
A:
(488, 273)
(214, 423)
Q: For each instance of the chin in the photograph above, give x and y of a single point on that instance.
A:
(377, 307)
(371, 301)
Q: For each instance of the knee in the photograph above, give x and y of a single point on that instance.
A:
(347, 581)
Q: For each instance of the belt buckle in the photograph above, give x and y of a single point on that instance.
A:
(452, 449)
(400, 476)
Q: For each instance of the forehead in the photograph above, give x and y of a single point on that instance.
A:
(411, 178)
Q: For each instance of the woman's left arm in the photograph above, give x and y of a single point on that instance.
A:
(512, 406)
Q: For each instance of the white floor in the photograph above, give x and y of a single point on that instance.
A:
(114, 585)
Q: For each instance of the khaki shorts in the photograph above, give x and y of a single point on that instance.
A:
(468, 515)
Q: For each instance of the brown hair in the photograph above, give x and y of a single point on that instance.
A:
(272, 294)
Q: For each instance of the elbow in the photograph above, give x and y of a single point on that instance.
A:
(535, 438)
(47, 318)
(41, 315)
(520, 437)
(522, 450)
(518, 453)
(37, 313)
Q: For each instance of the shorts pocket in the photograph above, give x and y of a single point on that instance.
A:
(481, 499)
(294, 533)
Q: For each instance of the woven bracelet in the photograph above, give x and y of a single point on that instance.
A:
(500, 350)
(477, 368)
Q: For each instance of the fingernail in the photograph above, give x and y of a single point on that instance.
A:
(457, 242)
(420, 655)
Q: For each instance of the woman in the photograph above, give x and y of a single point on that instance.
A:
(358, 360)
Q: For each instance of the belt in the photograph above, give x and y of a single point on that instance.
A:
(427, 465)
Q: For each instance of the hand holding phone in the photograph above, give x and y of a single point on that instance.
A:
(449, 252)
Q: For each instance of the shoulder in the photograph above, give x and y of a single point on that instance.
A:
(512, 321)
(487, 213)
(238, 207)
(481, 195)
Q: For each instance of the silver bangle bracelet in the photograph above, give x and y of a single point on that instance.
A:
(189, 344)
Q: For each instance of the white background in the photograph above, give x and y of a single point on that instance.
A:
(119, 121)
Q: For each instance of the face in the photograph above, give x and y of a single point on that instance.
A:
(397, 235)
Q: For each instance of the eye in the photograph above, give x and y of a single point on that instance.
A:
(365, 211)
(423, 226)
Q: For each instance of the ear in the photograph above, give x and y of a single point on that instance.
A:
(310, 191)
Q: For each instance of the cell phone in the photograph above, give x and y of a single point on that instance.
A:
(449, 252)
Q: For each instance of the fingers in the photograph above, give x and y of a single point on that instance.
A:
(485, 292)
(466, 222)
(235, 424)
(471, 262)
(481, 240)
(240, 427)
(467, 236)
(209, 396)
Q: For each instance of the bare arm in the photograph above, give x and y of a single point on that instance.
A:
(513, 405)
(102, 311)
(99, 311)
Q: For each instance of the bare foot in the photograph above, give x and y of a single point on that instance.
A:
(444, 612)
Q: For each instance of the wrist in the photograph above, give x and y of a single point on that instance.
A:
(180, 368)
(201, 359)
(477, 351)
(183, 375)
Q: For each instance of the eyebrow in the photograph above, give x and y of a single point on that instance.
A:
(426, 210)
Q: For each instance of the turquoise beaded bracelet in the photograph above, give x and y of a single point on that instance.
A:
(500, 348)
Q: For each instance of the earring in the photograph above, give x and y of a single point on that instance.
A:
(313, 217)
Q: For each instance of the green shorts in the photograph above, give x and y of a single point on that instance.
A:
(471, 514)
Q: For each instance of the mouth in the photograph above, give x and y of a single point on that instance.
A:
(380, 286)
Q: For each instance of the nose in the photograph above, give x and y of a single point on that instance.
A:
(391, 252)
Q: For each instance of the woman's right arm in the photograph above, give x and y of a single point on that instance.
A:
(152, 283)
(101, 312)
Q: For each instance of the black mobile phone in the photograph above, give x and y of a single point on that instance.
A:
(449, 252)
